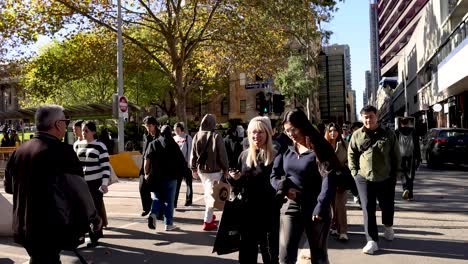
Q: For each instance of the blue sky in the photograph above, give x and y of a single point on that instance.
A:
(350, 25)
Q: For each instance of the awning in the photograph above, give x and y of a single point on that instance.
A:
(89, 111)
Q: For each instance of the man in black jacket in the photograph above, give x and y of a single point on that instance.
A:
(151, 125)
(410, 151)
(50, 197)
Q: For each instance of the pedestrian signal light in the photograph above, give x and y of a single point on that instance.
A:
(260, 102)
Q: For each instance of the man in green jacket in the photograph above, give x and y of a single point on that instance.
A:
(374, 161)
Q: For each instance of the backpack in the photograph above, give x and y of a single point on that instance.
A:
(406, 144)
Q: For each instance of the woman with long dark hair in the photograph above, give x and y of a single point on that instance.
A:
(304, 178)
(94, 159)
(339, 221)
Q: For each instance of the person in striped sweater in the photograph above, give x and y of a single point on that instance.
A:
(94, 159)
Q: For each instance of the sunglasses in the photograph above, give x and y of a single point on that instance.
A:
(67, 121)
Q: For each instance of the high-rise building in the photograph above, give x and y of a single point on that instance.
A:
(368, 89)
(396, 22)
(342, 50)
(422, 47)
(374, 53)
(335, 69)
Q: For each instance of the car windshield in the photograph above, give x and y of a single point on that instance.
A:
(453, 133)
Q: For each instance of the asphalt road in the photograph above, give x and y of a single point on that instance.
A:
(431, 229)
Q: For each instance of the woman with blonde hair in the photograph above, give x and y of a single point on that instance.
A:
(339, 225)
(251, 181)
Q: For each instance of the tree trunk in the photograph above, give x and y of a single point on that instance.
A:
(180, 97)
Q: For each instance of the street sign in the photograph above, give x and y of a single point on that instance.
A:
(256, 85)
(123, 104)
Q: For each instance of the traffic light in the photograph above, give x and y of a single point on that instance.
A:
(260, 102)
(278, 103)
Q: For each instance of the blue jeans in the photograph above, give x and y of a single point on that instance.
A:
(164, 198)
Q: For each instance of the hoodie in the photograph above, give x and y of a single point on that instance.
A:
(217, 156)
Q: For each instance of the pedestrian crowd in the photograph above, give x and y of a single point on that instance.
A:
(284, 179)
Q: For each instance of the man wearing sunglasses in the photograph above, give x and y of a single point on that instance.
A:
(50, 197)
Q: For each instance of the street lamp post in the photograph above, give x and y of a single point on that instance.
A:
(201, 100)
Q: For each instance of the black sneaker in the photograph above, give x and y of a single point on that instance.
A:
(144, 213)
(188, 203)
(152, 221)
(92, 244)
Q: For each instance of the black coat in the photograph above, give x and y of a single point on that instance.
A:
(258, 195)
(166, 162)
(34, 173)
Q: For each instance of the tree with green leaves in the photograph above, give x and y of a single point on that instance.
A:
(192, 42)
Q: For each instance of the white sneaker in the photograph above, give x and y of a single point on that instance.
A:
(343, 237)
(356, 199)
(370, 247)
(170, 227)
(389, 234)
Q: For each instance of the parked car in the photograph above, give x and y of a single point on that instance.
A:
(445, 145)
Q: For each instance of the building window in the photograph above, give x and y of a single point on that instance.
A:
(225, 106)
(242, 106)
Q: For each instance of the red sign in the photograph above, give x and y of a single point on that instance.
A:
(123, 104)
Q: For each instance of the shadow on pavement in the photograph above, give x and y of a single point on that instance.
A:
(125, 254)
(177, 236)
(407, 246)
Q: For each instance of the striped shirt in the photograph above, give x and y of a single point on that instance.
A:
(94, 159)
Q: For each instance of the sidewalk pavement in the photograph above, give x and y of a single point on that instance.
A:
(432, 229)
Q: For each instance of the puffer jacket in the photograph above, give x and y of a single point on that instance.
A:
(217, 156)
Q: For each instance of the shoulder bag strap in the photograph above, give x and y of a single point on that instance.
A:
(186, 143)
(207, 143)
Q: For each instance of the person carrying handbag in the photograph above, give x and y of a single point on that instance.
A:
(209, 162)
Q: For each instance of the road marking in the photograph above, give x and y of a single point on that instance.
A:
(127, 225)
(10, 255)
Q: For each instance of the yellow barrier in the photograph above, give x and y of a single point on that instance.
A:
(126, 164)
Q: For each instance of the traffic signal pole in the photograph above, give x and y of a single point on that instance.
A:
(120, 75)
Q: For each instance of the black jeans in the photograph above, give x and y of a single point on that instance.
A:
(250, 242)
(99, 204)
(44, 255)
(408, 167)
(383, 191)
(145, 194)
(293, 222)
(188, 181)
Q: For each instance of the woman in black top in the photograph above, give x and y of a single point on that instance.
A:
(251, 179)
(304, 177)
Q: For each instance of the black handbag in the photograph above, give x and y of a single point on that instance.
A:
(347, 181)
(228, 238)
